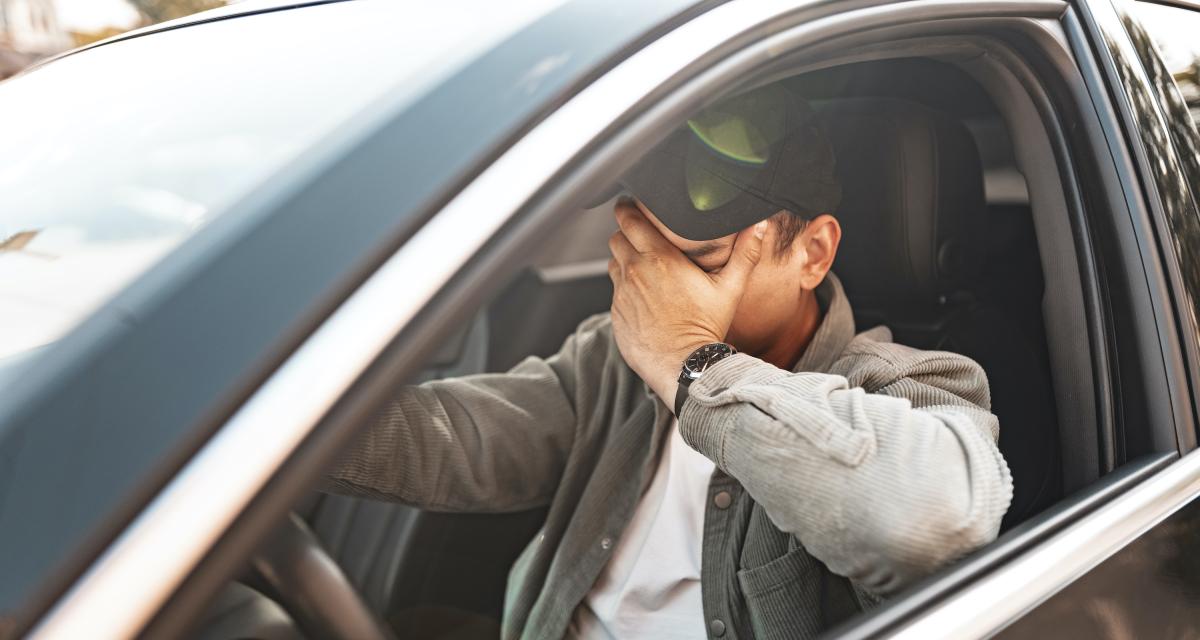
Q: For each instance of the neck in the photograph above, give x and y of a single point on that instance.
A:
(794, 334)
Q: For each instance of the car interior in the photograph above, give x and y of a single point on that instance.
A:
(942, 243)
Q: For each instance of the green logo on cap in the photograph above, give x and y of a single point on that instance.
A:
(735, 138)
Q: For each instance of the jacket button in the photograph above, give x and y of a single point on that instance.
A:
(722, 500)
(716, 627)
(606, 544)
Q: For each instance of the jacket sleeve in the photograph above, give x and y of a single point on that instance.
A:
(480, 443)
(883, 487)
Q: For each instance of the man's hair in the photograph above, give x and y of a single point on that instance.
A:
(789, 225)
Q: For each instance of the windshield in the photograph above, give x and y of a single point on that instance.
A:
(112, 157)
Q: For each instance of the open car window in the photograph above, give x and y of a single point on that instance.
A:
(996, 317)
(1003, 271)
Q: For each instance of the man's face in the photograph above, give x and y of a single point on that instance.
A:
(780, 281)
(709, 255)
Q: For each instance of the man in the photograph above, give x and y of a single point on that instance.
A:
(810, 471)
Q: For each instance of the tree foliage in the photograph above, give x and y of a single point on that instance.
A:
(1190, 74)
(82, 38)
(161, 10)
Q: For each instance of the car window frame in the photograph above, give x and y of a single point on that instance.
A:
(495, 258)
(1068, 511)
(586, 170)
(1155, 486)
(1092, 503)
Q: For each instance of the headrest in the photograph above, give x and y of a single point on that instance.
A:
(912, 205)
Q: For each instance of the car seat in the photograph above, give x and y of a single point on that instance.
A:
(919, 254)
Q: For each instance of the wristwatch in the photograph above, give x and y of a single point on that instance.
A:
(695, 365)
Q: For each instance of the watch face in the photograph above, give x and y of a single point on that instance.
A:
(706, 356)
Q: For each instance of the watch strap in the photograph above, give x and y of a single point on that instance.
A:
(681, 393)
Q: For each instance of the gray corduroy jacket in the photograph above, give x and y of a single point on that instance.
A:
(867, 467)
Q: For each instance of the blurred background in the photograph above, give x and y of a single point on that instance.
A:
(34, 29)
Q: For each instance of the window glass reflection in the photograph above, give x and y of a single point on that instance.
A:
(124, 151)
(1176, 33)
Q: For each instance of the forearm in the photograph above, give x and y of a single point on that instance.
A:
(480, 443)
(879, 491)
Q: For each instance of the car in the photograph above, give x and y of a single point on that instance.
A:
(224, 239)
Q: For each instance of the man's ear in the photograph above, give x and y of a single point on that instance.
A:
(819, 243)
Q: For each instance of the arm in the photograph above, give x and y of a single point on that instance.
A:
(490, 442)
(883, 487)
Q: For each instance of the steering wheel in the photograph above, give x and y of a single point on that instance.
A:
(312, 588)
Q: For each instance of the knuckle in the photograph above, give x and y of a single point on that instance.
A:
(634, 274)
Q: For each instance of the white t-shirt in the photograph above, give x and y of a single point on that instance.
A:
(651, 585)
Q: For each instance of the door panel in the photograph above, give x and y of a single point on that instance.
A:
(1150, 589)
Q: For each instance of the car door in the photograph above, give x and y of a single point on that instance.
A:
(1128, 568)
(1150, 584)
(488, 187)
(543, 197)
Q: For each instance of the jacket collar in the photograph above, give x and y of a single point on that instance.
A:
(835, 331)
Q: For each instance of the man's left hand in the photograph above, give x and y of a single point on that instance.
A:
(664, 306)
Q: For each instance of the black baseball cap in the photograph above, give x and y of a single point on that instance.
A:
(737, 162)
